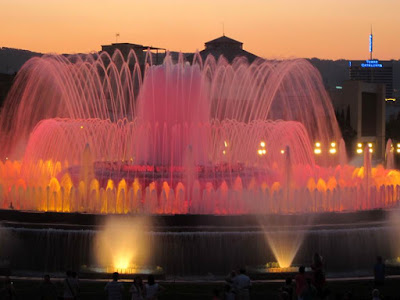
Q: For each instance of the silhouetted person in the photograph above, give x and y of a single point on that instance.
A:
(379, 271)
(114, 289)
(230, 277)
(136, 289)
(228, 293)
(71, 287)
(47, 289)
(288, 287)
(152, 289)
(375, 294)
(318, 274)
(310, 292)
(8, 290)
(301, 282)
(241, 285)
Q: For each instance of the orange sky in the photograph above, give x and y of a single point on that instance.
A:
(331, 29)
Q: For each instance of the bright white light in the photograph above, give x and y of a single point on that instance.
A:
(333, 144)
(226, 143)
(224, 152)
(370, 145)
(262, 144)
(81, 126)
(359, 151)
(260, 152)
(283, 151)
(317, 151)
(264, 151)
(371, 150)
(398, 150)
(317, 144)
(332, 151)
(359, 145)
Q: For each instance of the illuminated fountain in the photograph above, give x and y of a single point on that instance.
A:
(96, 134)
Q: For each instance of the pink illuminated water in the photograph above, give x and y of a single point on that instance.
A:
(95, 133)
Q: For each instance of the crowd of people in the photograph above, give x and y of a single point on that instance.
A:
(307, 284)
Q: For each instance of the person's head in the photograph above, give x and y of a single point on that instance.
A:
(379, 259)
(115, 276)
(46, 278)
(137, 280)
(242, 271)
(302, 269)
(375, 293)
(150, 279)
(288, 281)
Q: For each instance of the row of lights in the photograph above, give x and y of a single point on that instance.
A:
(360, 149)
(318, 149)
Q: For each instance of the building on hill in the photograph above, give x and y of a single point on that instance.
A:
(225, 46)
(140, 51)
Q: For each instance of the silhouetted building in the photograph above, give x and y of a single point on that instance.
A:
(365, 104)
(140, 51)
(227, 47)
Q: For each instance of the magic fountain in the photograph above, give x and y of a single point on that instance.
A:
(103, 135)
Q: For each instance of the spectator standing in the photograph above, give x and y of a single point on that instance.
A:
(379, 271)
(301, 282)
(71, 287)
(137, 289)
(47, 289)
(241, 285)
(114, 289)
(152, 289)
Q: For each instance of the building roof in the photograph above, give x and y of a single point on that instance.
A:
(223, 40)
(227, 47)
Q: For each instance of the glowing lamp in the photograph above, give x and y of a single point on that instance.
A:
(260, 152)
(317, 151)
(333, 144)
(262, 144)
(226, 143)
(370, 145)
(282, 151)
(359, 145)
(224, 152)
(398, 145)
(371, 150)
(317, 144)
(359, 151)
(81, 126)
(264, 151)
(332, 151)
(398, 150)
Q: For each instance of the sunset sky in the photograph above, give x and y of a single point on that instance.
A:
(330, 29)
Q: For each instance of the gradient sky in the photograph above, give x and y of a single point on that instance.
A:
(330, 29)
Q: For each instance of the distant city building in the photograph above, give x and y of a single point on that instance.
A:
(373, 71)
(227, 47)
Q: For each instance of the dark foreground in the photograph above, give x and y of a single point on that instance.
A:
(361, 289)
